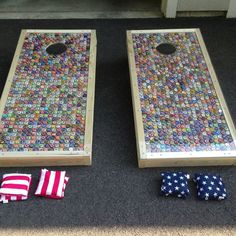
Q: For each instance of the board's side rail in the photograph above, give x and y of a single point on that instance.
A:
(90, 94)
(138, 121)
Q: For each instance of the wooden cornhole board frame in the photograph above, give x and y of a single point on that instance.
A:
(54, 158)
(168, 159)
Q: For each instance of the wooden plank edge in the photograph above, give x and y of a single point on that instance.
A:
(138, 122)
(173, 162)
(90, 94)
(52, 161)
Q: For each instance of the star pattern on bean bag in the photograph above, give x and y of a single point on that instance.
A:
(175, 184)
(210, 187)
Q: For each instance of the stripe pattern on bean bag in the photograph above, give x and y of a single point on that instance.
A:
(52, 184)
(15, 187)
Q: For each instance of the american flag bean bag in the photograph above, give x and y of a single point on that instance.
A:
(15, 187)
(175, 184)
(52, 184)
(210, 187)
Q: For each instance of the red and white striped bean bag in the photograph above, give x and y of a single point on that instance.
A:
(52, 184)
(15, 187)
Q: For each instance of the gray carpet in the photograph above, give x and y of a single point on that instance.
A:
(113, 191)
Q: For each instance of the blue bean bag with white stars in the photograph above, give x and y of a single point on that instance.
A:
(210, 187)
(175, 184)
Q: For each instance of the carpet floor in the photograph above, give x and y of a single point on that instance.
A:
(114, 192)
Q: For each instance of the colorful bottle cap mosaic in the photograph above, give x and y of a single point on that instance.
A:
(179, 107)
(44, 108)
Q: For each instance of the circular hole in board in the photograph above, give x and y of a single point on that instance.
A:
(166, 48)
(56, 49)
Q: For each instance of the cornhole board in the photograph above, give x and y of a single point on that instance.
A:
(180, 114)
(46, 109)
